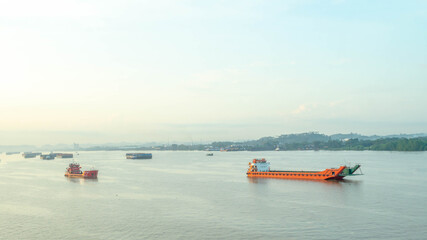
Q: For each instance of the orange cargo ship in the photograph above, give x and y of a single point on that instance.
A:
(261, 168)
(74, 171)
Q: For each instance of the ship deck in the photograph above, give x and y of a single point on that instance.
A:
(280, 171)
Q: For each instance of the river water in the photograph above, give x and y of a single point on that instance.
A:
(188, 195)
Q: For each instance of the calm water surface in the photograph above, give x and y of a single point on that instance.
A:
(187, 195)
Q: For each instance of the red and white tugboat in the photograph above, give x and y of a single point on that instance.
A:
(73, 170)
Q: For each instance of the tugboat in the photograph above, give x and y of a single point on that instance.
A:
(74, 171)
(261, 168)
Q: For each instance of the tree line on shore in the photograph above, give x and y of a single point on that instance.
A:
(387, 144)
(303, 141)
(316, 141)
(286, 142)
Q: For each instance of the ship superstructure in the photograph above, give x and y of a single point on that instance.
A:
(260, 165)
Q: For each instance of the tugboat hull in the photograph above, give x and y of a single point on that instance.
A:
(85, 174)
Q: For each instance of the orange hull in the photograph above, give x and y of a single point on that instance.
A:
(327, 174)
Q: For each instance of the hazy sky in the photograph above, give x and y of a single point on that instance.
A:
(110, 71)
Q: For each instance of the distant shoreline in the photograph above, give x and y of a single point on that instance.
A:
(291, 142)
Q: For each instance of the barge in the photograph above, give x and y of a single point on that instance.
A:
(47, 156)
(139, 156)
(64, 155)
(30, 155)
(261, 168)
(12, 153)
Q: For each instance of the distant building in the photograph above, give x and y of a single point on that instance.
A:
(76, 146)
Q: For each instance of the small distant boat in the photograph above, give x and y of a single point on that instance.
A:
(30, 154)
(64, 155)
(47, 156)
(209, 154)
(74, 171)
(261, 168)
(12, 153)
(212, 149)
(139, 156)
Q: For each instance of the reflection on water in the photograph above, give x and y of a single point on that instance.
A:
(326, 182)
(82, 180)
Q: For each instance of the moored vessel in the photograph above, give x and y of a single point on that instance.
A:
(12, 153)
(74, 171)
(261, 168)
(139, 155)
(50, 156)
(64, 155)
(30, 154)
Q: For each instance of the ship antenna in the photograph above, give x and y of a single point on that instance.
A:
(75, 156)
